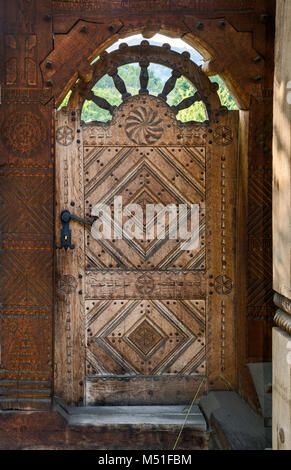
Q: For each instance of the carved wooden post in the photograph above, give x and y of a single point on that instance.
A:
(69, 339)
(281, 232)
(220, 250)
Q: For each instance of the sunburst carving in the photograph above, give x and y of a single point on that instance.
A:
(144, 126)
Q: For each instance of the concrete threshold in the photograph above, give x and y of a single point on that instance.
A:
(137, 415)
(134, 427)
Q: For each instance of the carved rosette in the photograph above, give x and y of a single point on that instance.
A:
(144, 126)
(64, 135)
(24, 133)
(66, 284)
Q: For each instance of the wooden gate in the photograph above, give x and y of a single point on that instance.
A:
(143, 321)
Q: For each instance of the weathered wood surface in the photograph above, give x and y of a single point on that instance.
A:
(211, 39)
(221, 224)
(69, 338)
(148, 284)
(147, 389)
(283, 321)
(49, 431)
(281, 230)
(145, 299)
(281, 390)
(26, 194)
(27, 38)
(282, 154)
(283, 303)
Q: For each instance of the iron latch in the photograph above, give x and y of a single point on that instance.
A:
(66, 239)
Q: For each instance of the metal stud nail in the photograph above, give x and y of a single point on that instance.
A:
(257, 59)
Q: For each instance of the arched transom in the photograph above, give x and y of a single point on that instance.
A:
(144, 54)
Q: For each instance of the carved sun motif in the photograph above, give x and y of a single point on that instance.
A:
(65, 135)
(144, 126)
(24, 133)
(223, 284)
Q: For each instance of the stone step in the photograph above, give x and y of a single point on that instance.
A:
(135, 427)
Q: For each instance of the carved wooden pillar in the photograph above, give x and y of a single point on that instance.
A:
(26, 186)
(282, 233)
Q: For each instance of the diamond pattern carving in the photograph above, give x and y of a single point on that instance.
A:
(156, 175)
(146, 337)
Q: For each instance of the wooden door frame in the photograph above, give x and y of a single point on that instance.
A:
(74, 370)
(69, 351)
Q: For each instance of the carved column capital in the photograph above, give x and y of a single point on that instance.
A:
(283, 303)
(283, 321)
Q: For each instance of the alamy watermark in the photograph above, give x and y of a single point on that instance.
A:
(148, 222)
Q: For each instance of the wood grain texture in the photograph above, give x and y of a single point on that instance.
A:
(156, 324)
(210, 40)
(260, 308)
(221, 197)
(139, 390)
(69, 320)
(150, 284)
(281, 152)
(281, 390)
(26, 256)
(283, 321)
(22, 21)
(148, 5)
(283, 303)
(26, 181)
(66, 71)
(49, 431)
(281, 230)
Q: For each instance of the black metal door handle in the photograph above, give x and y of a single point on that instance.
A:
(66, 235)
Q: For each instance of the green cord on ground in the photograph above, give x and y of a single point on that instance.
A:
(189, 411)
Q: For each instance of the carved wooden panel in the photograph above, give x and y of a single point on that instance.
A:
(158, 284)
(219, 25)
(151, 308)
(26, 258)
(148, 5)
(260, 307)
(211, 35)
(146, 337)
(69, 321)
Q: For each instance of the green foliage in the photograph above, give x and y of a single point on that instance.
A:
(65, 100)
(130, 74)
(92, 112)
(182, 90)
(223, 93)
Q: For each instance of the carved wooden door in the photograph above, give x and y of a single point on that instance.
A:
(143, 321)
